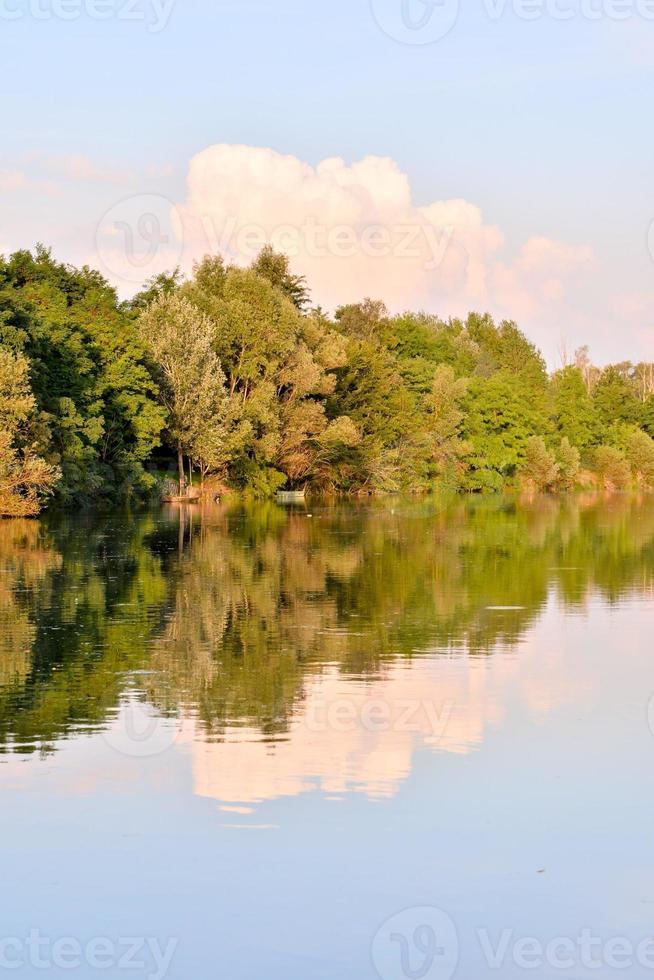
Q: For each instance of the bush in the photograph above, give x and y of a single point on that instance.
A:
(539, 469)
(640, 454)
(612, 468)
(568, 460)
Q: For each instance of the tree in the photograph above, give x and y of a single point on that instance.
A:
(640, 454)
(539, 468)
(191, 381)
(500, 418)
(25, 478)
(96, 417)
(615, 397)
(612, 468)
(444, 419)
(568, 460)
(573, 408)
(274, 267)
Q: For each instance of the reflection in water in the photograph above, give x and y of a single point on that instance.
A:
(301, 649)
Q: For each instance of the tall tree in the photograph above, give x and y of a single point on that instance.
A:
(191, 382)
(25, 478)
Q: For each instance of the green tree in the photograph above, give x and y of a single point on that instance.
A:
(568, 459)
(274, 266)
(640, 454)
(191, 381)
(96, 417)
(615, 397)
(573, 409)
(539, 469)
(25, 478)
(612, 468)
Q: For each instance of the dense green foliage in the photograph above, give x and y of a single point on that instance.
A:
(232, 375)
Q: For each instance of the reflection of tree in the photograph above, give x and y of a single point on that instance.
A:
(86, 613)
(228, 612)
(25, 560)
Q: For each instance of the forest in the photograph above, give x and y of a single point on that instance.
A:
(232, 381)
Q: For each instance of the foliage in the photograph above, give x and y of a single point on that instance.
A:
(25, 478)
(568, 459)
(539, 468)
(95, 415)
(191, 382)
(640, 454)
(612, 468)
(241, 381)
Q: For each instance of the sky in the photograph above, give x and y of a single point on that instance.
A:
(444, 155)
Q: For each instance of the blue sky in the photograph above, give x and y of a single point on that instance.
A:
(543, 125)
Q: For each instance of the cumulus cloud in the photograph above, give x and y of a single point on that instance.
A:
(354, 230)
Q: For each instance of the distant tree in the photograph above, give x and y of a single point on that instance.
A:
(615, 397)
(274, 266)
(568, 460)
(444, 419)
(573, 408)
(25, 478)
(162, 284)
(191, 382)
(95, 417)
(539, 468)
(612, 468)
(640, 454)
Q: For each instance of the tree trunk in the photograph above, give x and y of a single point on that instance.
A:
(180, 467)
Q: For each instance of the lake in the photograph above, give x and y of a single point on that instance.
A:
(407, 738)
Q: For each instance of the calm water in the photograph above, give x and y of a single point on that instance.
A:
(406, 740)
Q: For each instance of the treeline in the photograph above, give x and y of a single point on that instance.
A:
(235, 378)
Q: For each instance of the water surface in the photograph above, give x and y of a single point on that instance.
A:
(391, 739)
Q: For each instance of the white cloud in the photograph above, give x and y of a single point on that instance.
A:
(354, 230)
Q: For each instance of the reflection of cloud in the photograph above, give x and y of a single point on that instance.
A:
(360, 736)
(352, 736)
